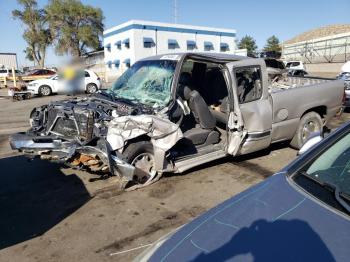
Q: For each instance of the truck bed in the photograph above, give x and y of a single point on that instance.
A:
(292, 97)
(289, 82)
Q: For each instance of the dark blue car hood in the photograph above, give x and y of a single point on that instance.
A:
(271, 221)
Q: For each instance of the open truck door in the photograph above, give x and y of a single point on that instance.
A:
(250, 119)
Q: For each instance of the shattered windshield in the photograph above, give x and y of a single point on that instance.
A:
(146, 82)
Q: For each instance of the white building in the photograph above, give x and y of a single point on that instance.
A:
(8, 60)
(131, 41)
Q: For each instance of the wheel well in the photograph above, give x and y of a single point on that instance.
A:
(321, 110)
(137, 139)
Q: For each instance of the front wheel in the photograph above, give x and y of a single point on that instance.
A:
(310, 123)
(141, 156)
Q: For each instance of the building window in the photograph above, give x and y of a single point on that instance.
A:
(173, 44)
(127, 62)
(148, 42)
(224, 47)
(208, 46)
(108, 47)
(116, 63)
(109, 64)
(126, 42)
(119, 44)
(191, 45)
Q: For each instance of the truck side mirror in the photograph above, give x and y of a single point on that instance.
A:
(314, 139)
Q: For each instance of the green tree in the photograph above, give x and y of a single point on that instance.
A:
(75, 26)
(248, 42)
(36, 34)
(272, 44)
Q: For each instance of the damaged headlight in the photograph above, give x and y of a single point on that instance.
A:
(37, 117)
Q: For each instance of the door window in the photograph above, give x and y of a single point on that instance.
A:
(248, 82)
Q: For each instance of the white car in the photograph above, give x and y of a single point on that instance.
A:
(8, 72)
(46, 87)
(297, 65)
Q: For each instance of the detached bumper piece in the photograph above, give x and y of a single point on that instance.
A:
(95, 158)
(39, 145)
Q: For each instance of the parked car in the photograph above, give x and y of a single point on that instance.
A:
(8, 72)
(169, 113)
(301, 213)
(297, 72)
(345, 76)
(275, 68)
(295, 65)
(41, 72)
(346, 67)
(46, 87)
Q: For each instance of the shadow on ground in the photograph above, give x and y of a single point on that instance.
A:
(35, 197)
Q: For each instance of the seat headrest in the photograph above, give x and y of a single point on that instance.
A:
(186, 92)
(185, 82)
(185, 79)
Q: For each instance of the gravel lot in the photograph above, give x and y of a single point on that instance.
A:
(53, 213)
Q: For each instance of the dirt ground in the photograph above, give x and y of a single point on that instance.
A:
(53, 213)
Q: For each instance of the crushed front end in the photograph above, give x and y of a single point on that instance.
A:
(74, 132)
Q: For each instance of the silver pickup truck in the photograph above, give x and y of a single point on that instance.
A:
(169, 113)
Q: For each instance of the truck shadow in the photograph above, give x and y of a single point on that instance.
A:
(34, 197)
(270, 241)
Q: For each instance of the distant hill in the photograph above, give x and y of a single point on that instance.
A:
(320, 32)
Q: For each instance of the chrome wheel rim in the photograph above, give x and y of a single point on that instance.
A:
(91, 89)
(144, 162)
(45, 91)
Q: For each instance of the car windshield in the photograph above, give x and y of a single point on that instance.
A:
(146, 82)
(333, 166)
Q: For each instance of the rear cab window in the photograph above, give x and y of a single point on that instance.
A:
(248, 83)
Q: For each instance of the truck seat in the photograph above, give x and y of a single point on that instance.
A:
(204, 132)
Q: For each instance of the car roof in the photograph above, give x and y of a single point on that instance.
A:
(210, 56)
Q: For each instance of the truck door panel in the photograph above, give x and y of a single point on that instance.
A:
(249, 78)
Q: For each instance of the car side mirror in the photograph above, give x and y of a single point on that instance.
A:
(314, 139)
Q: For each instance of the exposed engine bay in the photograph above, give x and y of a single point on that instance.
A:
(90, 133)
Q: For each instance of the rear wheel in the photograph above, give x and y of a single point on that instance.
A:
(141, 156)
(45, 90)
(91, 88)
(310, 123)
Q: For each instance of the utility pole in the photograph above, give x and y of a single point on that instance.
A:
(175, 11)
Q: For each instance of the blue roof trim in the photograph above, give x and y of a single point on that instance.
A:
(168, 29)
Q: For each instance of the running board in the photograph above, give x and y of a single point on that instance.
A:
(184, 165)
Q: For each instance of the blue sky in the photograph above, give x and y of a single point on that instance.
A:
(259, 19)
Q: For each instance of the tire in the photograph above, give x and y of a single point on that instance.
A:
(141, 155)
(309, 123)
(91, 88)
(45, 90)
